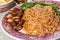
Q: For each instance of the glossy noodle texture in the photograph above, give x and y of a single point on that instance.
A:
(40, 20)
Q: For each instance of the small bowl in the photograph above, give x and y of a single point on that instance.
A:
(6, 6)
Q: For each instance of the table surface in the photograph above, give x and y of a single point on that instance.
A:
(3, 36)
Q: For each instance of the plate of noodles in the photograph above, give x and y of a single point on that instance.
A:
(39, 20)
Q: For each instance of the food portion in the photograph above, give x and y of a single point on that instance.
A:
(38, 18)
(13, 19)
(4, 1)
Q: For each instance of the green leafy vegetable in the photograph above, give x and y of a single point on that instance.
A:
(52, 5)
(26, 5)
(58, 13)
(29, 5)
(41, 3)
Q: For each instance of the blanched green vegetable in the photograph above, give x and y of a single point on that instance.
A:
(58, 13)
(25, 5)
(52, 5)
(47, 4)
(29, 5)
(41, 3)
